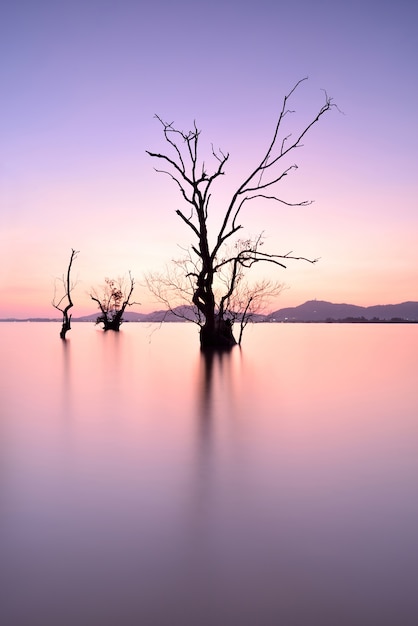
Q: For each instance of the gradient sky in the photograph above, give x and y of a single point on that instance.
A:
(81, 81)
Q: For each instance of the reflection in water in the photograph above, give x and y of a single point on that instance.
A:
(217, 406)
(215, 413)
(214, 367)
(214, 374)
(147, 484)
(66, 377)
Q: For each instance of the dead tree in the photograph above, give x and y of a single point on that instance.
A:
(114, 298)
(66, 298)
(184, 166)
(241, 300)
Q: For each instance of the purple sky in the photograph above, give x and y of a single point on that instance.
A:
(82, 80)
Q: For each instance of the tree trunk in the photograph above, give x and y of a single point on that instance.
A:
(217, 335)
(66, 325)
(114, 322)
(112, 325)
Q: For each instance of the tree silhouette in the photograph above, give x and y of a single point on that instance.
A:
(59, 304)
(112, 301)
(208, 256)
(240, 300)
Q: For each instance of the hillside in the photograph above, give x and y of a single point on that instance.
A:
(179, 314)
(321, 311)
(311, 311)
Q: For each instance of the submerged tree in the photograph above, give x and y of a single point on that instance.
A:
(65, 303)
(209, 257)
(240, 300)
(114, 298)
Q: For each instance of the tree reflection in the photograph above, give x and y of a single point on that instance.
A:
(214, 367)
(66, 378)
(215, 406)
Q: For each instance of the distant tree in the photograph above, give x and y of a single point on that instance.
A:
(115, 296)
(209, 257)
(65, 303)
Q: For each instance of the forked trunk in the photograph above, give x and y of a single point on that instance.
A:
(66, 325)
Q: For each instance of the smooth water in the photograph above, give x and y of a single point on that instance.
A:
(142, 484)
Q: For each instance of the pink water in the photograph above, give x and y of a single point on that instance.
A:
(142, 484)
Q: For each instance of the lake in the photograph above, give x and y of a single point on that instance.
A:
(142, 484)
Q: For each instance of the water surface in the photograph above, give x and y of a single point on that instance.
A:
(144, 484)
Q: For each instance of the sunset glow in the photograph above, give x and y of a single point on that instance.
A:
(81, 83)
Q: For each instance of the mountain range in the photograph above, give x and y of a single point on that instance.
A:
(311, 311)
(320, 311)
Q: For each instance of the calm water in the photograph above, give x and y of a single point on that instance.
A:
(143, 485)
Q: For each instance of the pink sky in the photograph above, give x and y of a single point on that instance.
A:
(81, 83)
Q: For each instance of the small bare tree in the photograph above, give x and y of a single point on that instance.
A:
(242, 301)
(115, 296)
(65, 303)
(195, 183)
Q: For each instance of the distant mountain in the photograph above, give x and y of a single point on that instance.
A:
(30, 319)
(321, 311)
(179, 314)
(311, 311)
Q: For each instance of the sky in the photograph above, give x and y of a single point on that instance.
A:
(80, 85)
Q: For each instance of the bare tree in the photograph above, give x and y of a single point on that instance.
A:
(241, 300)
(184, 166)
(65, 303)
(174, 287)
(115, 296)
